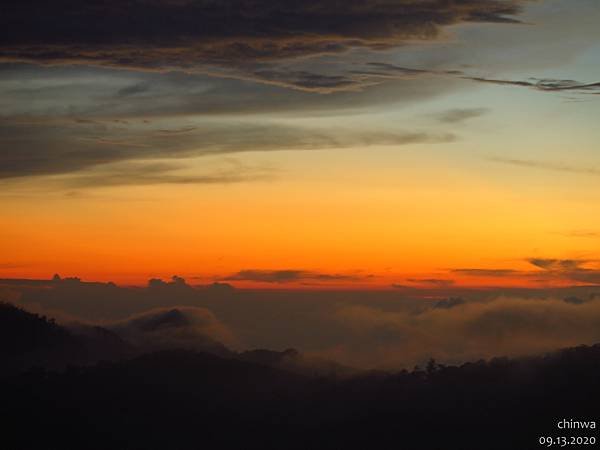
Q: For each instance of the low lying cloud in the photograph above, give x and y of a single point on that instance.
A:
(185, 327)
(363, 329)
(465, 331)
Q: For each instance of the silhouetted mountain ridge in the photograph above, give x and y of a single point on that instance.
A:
(30, 340)
(187, 399)
(184, 399)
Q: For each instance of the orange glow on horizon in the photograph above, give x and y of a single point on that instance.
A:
(370, 236)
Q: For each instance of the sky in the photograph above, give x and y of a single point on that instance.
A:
(357, 145)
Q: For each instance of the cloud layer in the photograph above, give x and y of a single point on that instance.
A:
(363, 329)
(161, 34)
(288, 276)
(184, 327)
(548, 165)
(465, 331)
(43, 148)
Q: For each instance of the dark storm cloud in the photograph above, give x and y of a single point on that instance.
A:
(547, 165)
(229, 30)
(287, 276)
(255, 41)
(43, 148)
(197, 35)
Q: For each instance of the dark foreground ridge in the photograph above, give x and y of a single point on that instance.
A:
(182, 399)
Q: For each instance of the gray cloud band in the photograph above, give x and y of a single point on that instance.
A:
(226, 31)
(230, 38)
(44, 149)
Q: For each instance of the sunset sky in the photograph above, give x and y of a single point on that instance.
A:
(373, 144)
